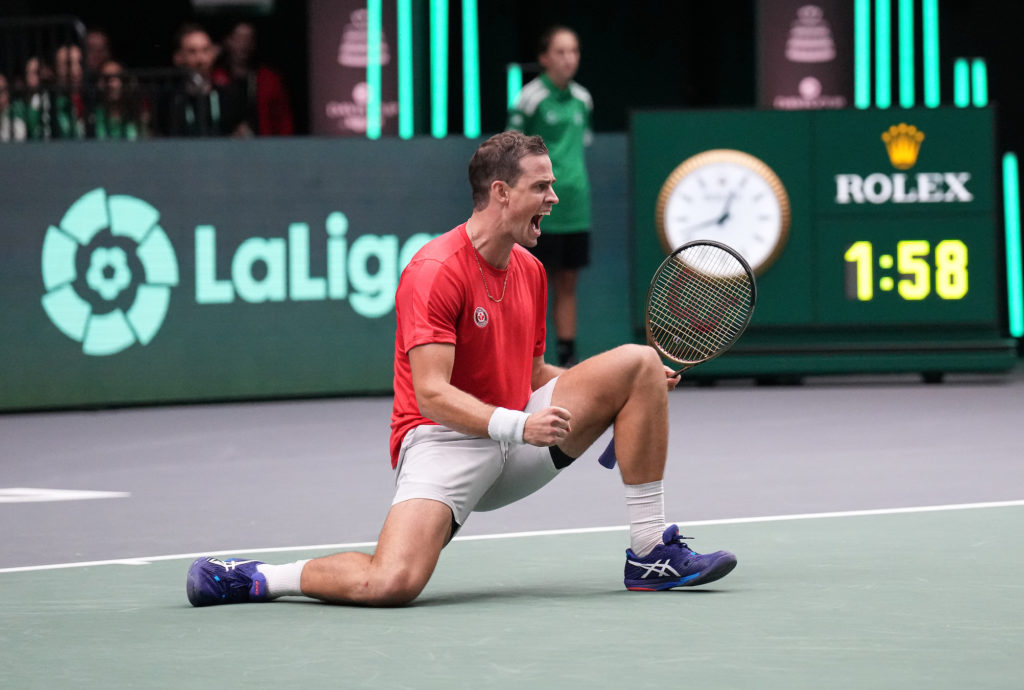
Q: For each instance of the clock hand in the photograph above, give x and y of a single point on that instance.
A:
(698, 226)
(725, 212)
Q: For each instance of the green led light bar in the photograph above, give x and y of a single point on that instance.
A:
(1014, 270)
(374, 26)
(979, 83)
(883, 54)
(406, 92)
(439, 68)
(906, 29)
(470, 71)
(961, 83)
(930, 34)
(862, 54)
(514, 81)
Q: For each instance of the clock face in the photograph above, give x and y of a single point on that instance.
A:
(727, 196)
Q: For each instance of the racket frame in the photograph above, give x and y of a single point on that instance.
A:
(724, 347)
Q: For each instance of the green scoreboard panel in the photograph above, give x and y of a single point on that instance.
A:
(874, 233)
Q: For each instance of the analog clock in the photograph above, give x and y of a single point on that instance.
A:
(728, 196)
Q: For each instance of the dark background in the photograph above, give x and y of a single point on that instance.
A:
(646, 53)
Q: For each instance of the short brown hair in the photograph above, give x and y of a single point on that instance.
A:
(498, 159)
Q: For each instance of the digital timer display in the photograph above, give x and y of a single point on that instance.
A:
(895, 271)
(916, 271)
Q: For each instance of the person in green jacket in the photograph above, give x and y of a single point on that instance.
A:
(559, 110)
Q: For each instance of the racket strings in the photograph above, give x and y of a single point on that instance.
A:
(693, 336)
(700, 303)
(697, 340)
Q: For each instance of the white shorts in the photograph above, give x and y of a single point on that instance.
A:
(469, 473)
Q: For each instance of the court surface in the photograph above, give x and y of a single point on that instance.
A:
(878, 524)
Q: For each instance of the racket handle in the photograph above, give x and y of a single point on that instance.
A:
(608, 458)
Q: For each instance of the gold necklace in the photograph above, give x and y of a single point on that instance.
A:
(484, 275)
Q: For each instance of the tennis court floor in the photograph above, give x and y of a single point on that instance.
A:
(842, 582)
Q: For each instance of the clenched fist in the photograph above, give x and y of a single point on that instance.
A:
(547, 427)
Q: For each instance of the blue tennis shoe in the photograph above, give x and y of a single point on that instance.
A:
(213, 581)
(674, 564)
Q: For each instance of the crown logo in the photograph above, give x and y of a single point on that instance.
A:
(903, 142)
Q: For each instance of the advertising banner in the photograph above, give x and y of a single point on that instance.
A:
(805, 54)
(175, 271)
(182, 271)
(337, 69)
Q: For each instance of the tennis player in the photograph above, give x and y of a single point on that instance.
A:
(480, 420)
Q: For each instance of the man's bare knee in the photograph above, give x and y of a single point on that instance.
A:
(395, 588)
(643, 359)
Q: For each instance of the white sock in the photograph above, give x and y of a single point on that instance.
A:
(645, 504)
(283, 580)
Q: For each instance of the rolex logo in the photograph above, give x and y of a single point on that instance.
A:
(903, 142)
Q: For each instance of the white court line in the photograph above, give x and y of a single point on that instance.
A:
(30, 495)
(514, 535)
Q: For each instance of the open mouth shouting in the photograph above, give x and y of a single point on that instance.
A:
(535, 222)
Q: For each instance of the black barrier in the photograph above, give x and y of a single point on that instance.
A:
(168, 271)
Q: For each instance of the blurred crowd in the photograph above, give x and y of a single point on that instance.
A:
(80, 90)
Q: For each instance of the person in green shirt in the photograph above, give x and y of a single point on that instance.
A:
(36, 101)
(12, 118)
(558, 109)
(116, 114)
(69, 100)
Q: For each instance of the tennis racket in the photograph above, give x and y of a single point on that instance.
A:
(699, 303)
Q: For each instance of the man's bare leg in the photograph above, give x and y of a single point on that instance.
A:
(627, 386)
(409, 546)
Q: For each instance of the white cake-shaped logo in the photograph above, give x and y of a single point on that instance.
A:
(810, 37)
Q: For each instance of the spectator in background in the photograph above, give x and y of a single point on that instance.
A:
(38, 103)
(69, 104)
(255, 100)
(195, 108)
(97, 50)
(118, 113)
(12, 122)
(558, 109)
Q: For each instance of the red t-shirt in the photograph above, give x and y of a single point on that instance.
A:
(441, 299)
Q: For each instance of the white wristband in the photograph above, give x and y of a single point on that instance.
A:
(507, 425)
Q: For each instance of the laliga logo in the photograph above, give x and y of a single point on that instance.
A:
(103, 248)
(903, 144)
